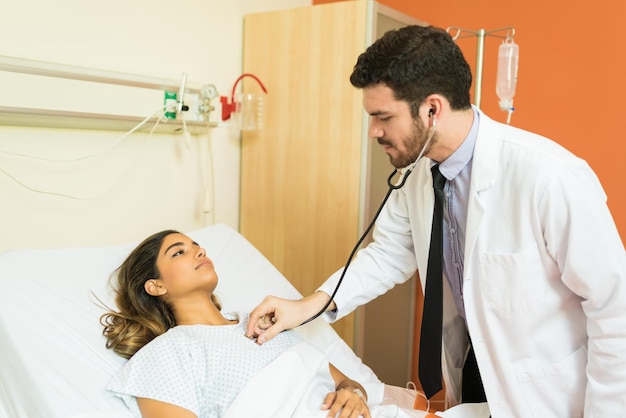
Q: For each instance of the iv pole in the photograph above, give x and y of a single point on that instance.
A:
(480, 34)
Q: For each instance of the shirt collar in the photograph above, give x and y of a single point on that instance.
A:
(453, 165)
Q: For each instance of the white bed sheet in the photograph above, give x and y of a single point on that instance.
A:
(53, 362)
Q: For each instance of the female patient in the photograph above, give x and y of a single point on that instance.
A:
(187, 358)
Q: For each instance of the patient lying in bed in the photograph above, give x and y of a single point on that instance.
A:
(188, 359)
(53, 359)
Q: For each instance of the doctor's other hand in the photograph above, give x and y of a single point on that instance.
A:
(274, 315)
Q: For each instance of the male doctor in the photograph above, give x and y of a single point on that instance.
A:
(534, 270)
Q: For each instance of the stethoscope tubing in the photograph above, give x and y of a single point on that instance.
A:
(392, 187)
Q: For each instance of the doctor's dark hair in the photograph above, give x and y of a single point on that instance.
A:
(415, 62)
(141, 317)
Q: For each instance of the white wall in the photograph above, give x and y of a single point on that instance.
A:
(133, 187)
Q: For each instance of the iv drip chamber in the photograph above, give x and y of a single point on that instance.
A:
(506, 79)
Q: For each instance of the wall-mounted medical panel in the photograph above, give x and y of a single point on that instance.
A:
(45, 94)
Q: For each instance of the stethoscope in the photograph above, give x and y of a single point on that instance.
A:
(407, 171)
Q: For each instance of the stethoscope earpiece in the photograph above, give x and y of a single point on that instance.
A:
(431, 114)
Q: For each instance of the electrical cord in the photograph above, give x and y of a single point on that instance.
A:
(157, 112)
(69, 196)
(160, 112)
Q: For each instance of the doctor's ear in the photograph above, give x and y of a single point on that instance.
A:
(432, 106)
(153, 287)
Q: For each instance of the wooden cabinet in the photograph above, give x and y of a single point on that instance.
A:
(309, 178)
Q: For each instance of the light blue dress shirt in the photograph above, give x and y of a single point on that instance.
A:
(457, 169)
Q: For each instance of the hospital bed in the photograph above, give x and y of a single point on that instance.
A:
(53, 360)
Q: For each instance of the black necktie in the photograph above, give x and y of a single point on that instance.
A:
(432, 317)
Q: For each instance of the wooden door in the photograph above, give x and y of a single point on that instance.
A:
(300, 178)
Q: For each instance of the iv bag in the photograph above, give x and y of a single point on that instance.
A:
(506, 79)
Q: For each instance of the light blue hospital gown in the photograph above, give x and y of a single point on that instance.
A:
(201, 368)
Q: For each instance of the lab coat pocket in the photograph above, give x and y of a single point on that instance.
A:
(513, 282)
(566, 377)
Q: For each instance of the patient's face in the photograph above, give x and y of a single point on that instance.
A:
(184, 267)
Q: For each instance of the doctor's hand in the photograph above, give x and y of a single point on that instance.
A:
(275, 315)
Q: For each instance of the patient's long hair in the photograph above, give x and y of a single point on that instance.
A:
(141, 317)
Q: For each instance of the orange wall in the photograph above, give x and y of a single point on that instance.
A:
(571, 78)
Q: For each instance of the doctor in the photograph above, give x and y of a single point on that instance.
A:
(534, 269)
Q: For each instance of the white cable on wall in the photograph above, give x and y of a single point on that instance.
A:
(157, 113)
(91, 156)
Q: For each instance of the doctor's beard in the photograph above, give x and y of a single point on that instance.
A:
(412, 143)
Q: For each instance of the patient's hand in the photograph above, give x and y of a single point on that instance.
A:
(351, 404)
(275, 315)
(349, 396)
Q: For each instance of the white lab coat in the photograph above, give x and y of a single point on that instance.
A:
(544, 280)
